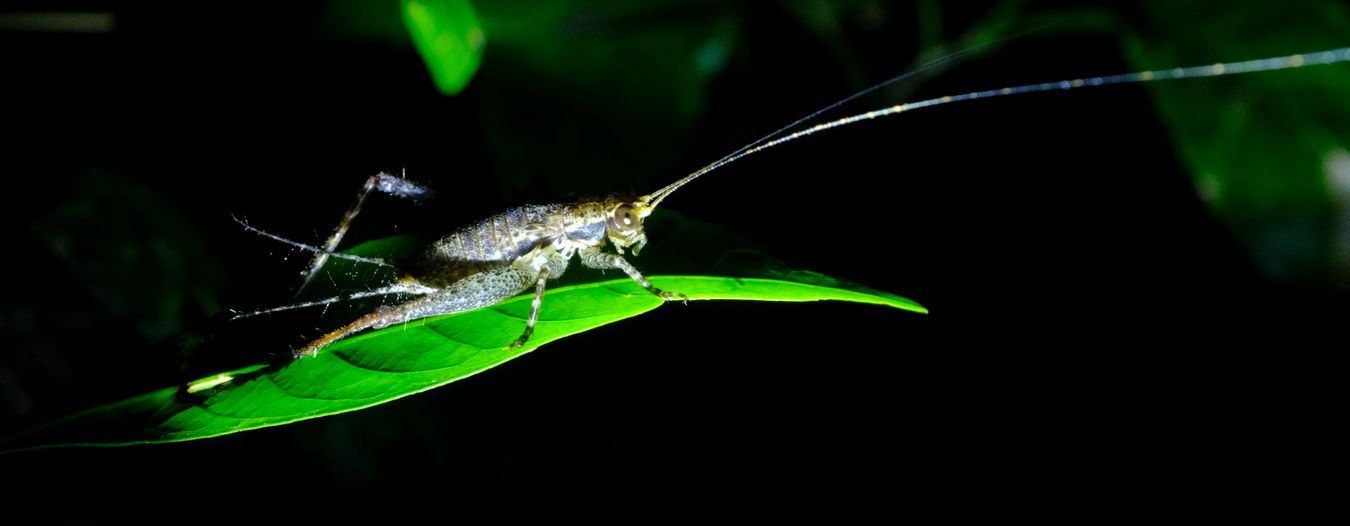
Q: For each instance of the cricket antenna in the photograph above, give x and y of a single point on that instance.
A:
(650, 201)
(1319, 58)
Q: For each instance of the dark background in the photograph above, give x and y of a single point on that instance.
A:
(1095, 331)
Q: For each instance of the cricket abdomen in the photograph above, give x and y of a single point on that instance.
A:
(484, 245)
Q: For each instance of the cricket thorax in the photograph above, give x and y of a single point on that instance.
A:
(521, 236)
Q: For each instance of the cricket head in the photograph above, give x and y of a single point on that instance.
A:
(623, 222)
(625, 214)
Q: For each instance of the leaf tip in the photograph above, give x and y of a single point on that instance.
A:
(450, 39)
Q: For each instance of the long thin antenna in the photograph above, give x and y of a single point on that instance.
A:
(1319, 58)
(913, 72)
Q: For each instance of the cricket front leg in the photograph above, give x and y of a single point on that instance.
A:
(595, 258)
(479, 290)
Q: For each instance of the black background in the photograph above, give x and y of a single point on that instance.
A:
(1095, 333)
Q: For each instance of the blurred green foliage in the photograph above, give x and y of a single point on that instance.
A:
(449, 38)
(640, 69)
(135, 251)
(1260, 148)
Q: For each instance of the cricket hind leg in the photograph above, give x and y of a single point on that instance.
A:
(309, 248)
(403, 288)
(595, 258)
(382, 182)
(485, 288)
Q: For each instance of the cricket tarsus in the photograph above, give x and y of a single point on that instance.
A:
(499, 257)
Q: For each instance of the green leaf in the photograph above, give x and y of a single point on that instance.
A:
(449, 38)
(388, 364)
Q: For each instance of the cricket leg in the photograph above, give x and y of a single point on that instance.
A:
(595, 258)
(309, 248)
(479, 290)
(382, 182)
(403, 287)
(534, 309)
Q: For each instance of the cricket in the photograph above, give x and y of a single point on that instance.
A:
(483, 263)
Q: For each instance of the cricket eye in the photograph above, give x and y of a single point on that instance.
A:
(625, 218)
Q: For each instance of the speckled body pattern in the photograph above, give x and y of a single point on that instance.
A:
(509, 238)
(499, 257)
